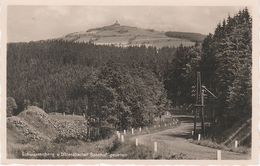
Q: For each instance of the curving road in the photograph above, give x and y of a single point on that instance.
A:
(175, 140)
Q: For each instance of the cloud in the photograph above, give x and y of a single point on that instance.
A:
(51, 11)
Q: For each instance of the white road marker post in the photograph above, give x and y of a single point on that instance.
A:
(136, 142)
(236, 144)
(155, 147)
(132, 130)
(125, 132)
(122, 138)
(192, 133)
(198, 137)
(218, 154)
(118, 134)
(140, 129)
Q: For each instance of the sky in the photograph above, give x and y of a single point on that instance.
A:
(31, 23)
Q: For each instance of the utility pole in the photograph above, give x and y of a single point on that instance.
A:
(199, 104)
(198, 100)
(202, 114)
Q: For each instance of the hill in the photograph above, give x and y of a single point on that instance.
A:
(121, 35)
(195, 37)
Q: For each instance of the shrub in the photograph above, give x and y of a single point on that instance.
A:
(11, 106)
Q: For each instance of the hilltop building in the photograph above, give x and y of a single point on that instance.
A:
(116, 23)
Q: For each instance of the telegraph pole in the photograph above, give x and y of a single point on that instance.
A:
(198, 100)
(199, 104)
(202, 113)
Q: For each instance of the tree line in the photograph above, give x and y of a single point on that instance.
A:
(112, 85)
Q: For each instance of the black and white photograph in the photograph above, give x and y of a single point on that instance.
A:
(129, 82)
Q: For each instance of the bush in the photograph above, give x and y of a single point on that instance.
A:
(11, 106)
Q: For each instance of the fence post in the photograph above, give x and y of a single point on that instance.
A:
(165, 124)
(125, 132)
(63, 113)
(132, 130)
(136, 142)
(140, 129)
(155, 147)
(192, 133)
(118, 134)
(236, 144)
(218, 154)
(72, 113)
(83, 115)
(198, 137)
(122, 138)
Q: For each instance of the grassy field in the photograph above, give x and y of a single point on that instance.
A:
(129, 36)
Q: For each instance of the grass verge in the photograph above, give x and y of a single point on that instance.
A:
(212, 144)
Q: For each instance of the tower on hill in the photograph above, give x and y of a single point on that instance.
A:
(116, 23)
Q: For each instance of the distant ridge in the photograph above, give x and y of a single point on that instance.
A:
(123, 36)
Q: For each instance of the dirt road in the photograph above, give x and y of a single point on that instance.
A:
(175, 140)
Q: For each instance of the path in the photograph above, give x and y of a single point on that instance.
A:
(175, 140)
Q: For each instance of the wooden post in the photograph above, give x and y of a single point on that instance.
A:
(132, 130)
(140, 129)
(195, 122)
(155, 147)
(122, 138)
(198, 103)
(72, 113)
(84, 115)
(192, 133)
(218, 154)
(63, 113)
(198, 137)
(136, 142)
(236, 144)
(202, 113)
(118, 134)
(125, 132)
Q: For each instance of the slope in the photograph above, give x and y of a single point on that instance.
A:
(121, 35)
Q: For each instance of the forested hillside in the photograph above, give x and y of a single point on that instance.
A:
(227, 68)
(134, 84)
(59, 76)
